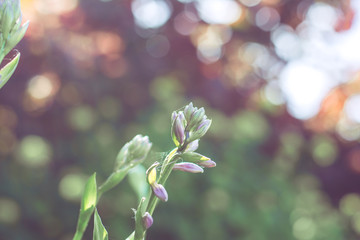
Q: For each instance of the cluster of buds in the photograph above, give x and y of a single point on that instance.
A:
(133, 152)
(189, 125)
(187, 128)
(158, 189)
(11, 31)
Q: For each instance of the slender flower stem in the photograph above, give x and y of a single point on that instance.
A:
(168, 164)
(166, 169)
(187, 127)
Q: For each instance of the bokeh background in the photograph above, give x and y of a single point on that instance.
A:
(279, 78)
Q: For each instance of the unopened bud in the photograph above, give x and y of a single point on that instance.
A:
(159, 191)
(178, 132)
(147, 220)
(173, 117)
(192, 146)
(133, 152)
(196, 119)
(151, 175)
(201, 129)
(188, 111)
(188, 167)
(193, 157)
(182, 118)
(207, 164)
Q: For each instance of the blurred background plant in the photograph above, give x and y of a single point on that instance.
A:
(280, 80)
(11, 32)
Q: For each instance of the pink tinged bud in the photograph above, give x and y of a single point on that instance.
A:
(204, 125)
(207, 164)
(192, 146)
(201, 129)
(160, 192)
(173, 117)
(179, 131)
(188, 167)
(182, 118)
(147, 220)
(196, 117)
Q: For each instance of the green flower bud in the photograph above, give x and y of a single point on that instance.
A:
(196, 119)
(188, 111)
(201, 129)
(133, 152)
(193, 157)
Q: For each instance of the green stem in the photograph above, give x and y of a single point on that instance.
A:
(168, 164)
(166, 169)
(78, 235)
(131, 237)
(114, 179)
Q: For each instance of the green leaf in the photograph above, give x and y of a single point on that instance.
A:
(16, 37)
(139, 227)
(7, 71)
(88, 203)
(137, 180)
(90, 193)
(131, 237)
(100, 232)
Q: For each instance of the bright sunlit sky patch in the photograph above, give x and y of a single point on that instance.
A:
(318, 57)
(352, 107)
(219, 11)
(151, 13)
(304, 87)
(328, 58)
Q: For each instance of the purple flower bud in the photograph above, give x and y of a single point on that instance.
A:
(173, 117)
(182, 118)
(188, 167)
(196, 119)
(179, 131)
(201, 129)
(192, 146)
(147, 220)
(160, 192)
(207, 164)
(204, 124)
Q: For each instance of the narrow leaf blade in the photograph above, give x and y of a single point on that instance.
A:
(88, 204)
(137, 180)
(90, 194)
(7, 71)
(99, 232)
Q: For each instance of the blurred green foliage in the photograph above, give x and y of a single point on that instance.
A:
(73, 108)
